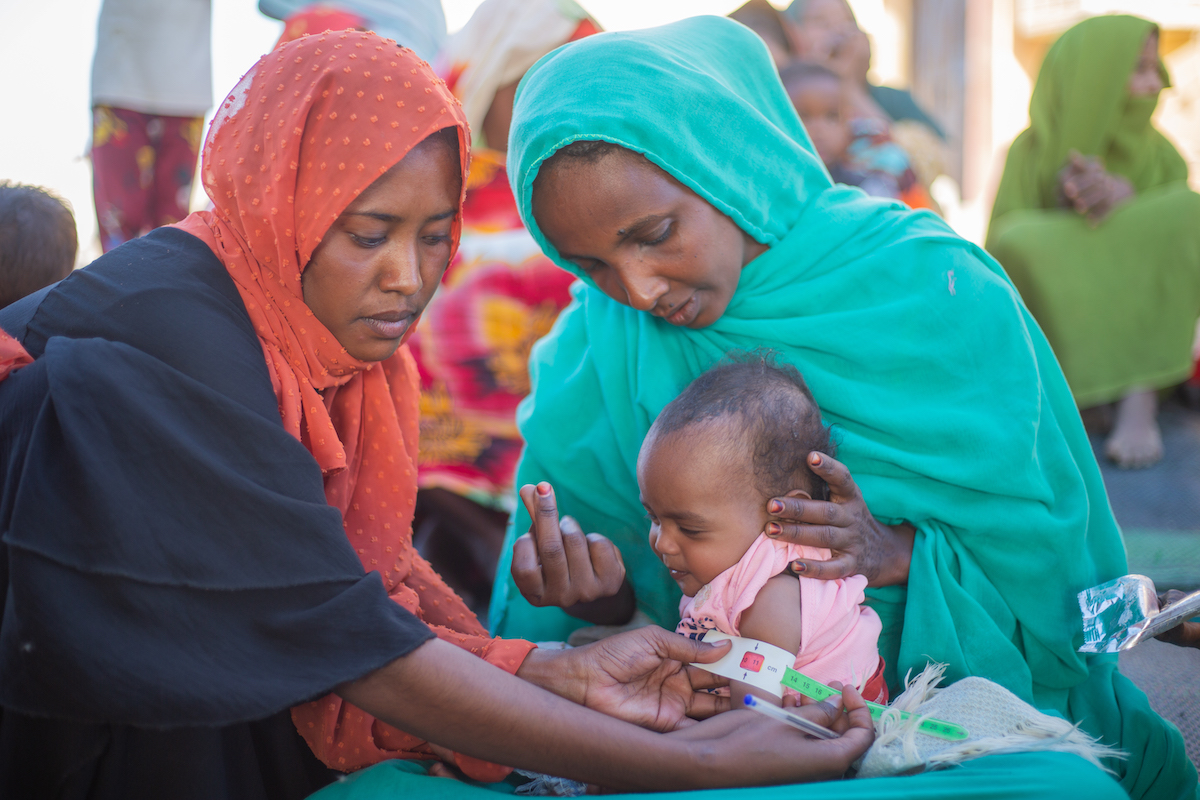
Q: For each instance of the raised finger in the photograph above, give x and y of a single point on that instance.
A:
(526, 570)
(547, 537)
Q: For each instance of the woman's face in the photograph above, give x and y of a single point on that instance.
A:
(647, 240)
(826, 26)
(1146, 80)
(381, 261)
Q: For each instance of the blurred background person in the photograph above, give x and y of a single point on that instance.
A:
(419, 25)
(37, 240)
(498, 297)
(1096, 226)
(770, 25)
(816, 92)
(890, 133)
(318, 19)
(151, 86)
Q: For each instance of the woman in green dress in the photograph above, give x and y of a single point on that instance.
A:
(668, 169)
(1096, 226)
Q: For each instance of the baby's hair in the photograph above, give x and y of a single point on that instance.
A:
(797, 72)
(775, 411)
(38, 242)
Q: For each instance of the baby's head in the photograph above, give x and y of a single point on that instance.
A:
(816, 92)
(37, 240)
(739, 435)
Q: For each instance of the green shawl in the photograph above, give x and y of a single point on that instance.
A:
(1081, 102)
(948, 405)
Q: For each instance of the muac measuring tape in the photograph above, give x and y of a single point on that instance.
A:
(769, 668)
(819, 691)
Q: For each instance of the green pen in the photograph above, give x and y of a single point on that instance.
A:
(819, 691)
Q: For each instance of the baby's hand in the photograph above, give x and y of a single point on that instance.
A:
(555, 564)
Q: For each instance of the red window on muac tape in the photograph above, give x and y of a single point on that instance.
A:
(752, 662)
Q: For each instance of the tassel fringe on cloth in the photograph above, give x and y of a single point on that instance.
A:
(998, 722)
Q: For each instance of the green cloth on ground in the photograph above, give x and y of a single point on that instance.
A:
(1052, 776)
(1118, 301)
(948, 405)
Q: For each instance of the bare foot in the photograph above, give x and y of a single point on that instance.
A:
(1136, 441)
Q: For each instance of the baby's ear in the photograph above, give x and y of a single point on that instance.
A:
(799, 493)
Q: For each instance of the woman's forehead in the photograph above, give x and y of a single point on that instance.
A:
(604, 197)
(320, 119)
(620, 171)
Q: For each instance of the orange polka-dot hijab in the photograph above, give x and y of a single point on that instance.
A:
(310, 127)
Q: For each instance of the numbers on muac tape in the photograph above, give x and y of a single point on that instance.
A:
(819, 691)
(769, 668)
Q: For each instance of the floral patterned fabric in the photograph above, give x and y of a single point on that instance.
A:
(143, 166)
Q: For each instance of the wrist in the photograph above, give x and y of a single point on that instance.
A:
(554, 671)
(894, 571)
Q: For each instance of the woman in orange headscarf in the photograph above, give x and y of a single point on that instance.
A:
(207, 478)
(359, 423)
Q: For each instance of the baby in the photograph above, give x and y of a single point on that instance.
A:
(739, 435)
(37, 240)
(859, 153)
(816, 92)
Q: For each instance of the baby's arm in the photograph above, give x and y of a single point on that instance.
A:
(773, 618)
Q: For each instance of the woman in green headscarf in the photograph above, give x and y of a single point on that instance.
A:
(709, 208)
(1096, 227)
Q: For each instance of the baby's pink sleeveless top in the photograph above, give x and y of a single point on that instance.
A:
(838, 635)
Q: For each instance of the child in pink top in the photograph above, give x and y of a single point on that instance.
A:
(739, 435)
